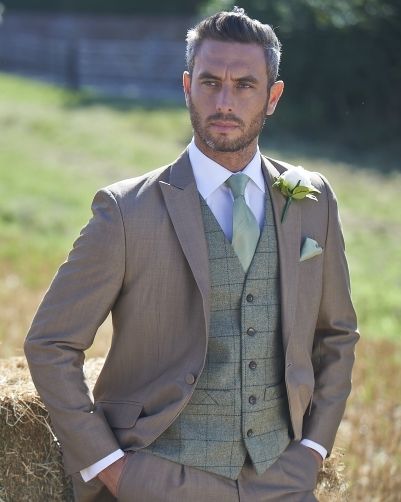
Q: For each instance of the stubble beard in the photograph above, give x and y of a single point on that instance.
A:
(224, 144)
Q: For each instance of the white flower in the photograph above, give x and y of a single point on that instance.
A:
(295, 184)
(297, 176)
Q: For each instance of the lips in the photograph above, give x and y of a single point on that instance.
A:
(224, 126)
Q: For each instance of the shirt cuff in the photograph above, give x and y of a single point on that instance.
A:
(315, 446)
(93, 470)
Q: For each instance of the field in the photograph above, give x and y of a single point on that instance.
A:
(58, 147)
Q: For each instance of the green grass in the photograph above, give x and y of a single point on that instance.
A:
(57, 147)
(370, 208)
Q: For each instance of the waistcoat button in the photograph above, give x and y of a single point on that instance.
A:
(249, 298)
(252, 399)
(249, 433)
(253, 365)
(251, 331)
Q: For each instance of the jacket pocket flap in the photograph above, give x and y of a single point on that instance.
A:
(121, 414)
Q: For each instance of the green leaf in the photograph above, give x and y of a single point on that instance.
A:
(300, 193)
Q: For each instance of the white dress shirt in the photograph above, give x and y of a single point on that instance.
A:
(210, 180)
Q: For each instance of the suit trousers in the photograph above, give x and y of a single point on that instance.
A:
(149, 478)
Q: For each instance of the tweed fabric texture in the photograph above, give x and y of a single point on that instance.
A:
(240, 403)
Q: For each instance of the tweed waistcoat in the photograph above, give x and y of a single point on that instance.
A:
(240, 403)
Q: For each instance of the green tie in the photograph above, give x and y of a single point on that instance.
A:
(246, 230)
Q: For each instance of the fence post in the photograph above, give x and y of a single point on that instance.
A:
(72, 65)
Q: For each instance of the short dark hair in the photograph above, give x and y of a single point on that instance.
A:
(235, 26)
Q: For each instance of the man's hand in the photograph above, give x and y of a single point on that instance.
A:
(110, 476)
(317, 456)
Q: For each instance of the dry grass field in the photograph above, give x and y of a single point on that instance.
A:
(370, 433)
(57, 148)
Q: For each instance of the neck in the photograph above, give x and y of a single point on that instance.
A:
(233, 161)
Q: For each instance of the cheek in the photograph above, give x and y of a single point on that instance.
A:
(202, 105)
(202, 98)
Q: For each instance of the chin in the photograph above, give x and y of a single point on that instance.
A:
(222, 144)
(227, 145)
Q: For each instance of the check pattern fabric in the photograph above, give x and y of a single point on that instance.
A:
(240, 403)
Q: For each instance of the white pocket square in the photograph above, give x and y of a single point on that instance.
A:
(310, 248)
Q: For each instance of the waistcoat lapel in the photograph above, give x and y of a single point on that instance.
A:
(182, 202)
(288, 238)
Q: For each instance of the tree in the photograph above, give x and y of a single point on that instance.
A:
(340, 63)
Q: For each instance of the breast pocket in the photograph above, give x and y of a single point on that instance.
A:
(310, 283)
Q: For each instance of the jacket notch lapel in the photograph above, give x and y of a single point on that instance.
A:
(288, 238)
(182, 202)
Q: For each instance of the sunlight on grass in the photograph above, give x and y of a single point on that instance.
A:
(58, 147)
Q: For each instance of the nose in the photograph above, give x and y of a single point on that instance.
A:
(224, 102)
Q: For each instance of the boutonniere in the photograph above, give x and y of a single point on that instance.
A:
(295, 183)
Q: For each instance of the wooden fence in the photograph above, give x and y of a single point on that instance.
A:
(143, 64)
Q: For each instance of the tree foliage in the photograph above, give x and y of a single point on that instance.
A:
(341, 58)
(158, 7)
(341, 65)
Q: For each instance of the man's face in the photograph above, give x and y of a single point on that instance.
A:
(228, 96)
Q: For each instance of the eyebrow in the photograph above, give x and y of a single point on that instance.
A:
(246, 78)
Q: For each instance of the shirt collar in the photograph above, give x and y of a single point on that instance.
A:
(209, 175)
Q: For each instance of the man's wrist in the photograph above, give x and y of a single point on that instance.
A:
(318, 457)
(111, 475)
(93, 470)
(315, 446)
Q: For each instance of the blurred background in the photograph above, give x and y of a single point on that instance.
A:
(90, 93)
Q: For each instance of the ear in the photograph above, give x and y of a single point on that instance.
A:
(276, 90)
(186, 83)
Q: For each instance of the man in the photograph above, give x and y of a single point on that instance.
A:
(233, 328)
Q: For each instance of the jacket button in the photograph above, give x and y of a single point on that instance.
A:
(249, 433)
(252, 399)
(251, 331)
(190, 379)
(253, 365)
(249, 298)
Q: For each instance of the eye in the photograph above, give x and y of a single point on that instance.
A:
(244, 85)
(210, 83)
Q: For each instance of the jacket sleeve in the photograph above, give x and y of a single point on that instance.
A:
(77, 302)
(335, 338)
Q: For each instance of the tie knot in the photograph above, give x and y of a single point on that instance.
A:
(237, 184)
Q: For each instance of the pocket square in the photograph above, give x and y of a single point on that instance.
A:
(310, 248)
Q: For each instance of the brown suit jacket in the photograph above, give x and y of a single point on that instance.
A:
(143, 256)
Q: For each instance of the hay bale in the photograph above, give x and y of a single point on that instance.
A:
(332, 484)
(30, 459)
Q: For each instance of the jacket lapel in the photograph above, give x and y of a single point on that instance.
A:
(182, 201)
(288, 237)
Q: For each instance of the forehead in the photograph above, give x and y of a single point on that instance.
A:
(217, 57)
